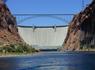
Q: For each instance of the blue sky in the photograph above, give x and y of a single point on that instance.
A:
(45, 7)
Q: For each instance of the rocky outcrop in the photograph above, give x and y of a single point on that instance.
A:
(81, 31)
(8, 27)
(10, 41)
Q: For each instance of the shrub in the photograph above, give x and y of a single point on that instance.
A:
(17, 48)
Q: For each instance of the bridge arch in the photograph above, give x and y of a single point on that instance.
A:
(30, 17)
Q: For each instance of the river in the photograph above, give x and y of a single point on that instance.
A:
(50, 61)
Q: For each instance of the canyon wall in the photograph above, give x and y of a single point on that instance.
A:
(81, 31)
(8, 26)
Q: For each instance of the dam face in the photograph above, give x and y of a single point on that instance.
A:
(43, 37)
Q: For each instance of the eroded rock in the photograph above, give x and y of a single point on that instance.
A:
(8, 26)
(81, 31)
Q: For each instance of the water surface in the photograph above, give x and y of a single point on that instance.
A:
(50, 61)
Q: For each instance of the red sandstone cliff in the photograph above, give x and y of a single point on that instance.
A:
(8, 29)
(81, 31)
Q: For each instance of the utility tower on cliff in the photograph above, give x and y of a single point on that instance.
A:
(5, 0)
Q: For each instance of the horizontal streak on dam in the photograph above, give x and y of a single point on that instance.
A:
(43, 37)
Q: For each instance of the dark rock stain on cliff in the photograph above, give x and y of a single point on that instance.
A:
(81, 31)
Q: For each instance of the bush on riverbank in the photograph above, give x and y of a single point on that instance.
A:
(87, 47)
(16, 49)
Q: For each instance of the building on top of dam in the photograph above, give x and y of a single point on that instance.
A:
(43, 37)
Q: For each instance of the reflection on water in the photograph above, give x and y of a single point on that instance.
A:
(50, 61)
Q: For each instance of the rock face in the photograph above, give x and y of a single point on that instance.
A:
(8, 29)
(81, 32)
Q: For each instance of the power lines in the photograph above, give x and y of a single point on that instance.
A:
(82, 4)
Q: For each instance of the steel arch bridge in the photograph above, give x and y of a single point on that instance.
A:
(25, 17)
(62, 17)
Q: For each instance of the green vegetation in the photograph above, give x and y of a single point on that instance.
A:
(87, 47)
(16, 49)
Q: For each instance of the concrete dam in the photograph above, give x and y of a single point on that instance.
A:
(43, 37)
